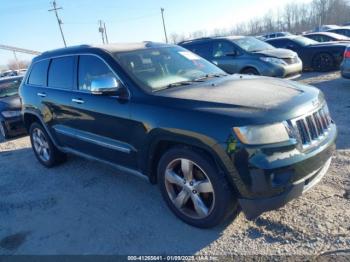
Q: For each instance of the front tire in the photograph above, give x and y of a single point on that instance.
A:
(250, 71)
(194, 189)
(44, 150)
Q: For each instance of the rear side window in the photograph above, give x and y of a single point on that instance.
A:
(38, 74)
(91, 68)
(61, 72)
(204, 50)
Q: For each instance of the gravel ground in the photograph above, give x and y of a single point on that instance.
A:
(84, 207)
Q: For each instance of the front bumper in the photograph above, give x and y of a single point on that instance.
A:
(266, 178)
(14, 126)
(289, 71)
(252, 208)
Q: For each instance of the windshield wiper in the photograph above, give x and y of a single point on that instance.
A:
(209, 76)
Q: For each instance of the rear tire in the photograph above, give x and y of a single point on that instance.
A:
(250, 71)
(44, 150)
(194, 189)
(323, 62)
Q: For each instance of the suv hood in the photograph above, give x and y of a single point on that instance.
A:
(11, 102)
(277, 52)
(247, 95)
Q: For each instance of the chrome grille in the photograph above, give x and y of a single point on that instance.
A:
(312, 127)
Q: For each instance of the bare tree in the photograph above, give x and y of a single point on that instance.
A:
(14, 65)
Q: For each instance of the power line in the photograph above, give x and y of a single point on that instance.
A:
(166, 37)
(59, 21)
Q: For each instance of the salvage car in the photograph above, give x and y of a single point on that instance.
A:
(246, 55)
(327, 37)
(11, 123)
(345, 66)
(321, 57)
(214, 143)
(344, 30)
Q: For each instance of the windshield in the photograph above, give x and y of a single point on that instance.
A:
(252, 44)
(159, 68)
(9, 87)
(304, 41)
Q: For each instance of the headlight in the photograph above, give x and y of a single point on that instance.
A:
(9, 114)
(273, 60)
(262, 134)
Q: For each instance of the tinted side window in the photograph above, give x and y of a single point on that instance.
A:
(61, 72)
(38, 74)
(91, 68)
(204, 49)
(222, 48)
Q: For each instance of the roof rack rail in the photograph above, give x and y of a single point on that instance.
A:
(195, 39)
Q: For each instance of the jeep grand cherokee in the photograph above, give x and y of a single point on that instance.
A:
(213, 142)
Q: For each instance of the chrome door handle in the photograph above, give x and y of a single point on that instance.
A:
(41, 94)
(78, 101)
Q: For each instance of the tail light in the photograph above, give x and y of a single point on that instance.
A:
(347, 53)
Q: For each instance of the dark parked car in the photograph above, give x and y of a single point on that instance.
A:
(213, 142)
(345, 30)
(10, 107)
(345, 66)
(327, 37)
(246, 55)
(317, 56)
(275, 34)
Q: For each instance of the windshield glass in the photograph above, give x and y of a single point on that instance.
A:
(304, 41)
(9, 87)
(252, 44)
(159, 68)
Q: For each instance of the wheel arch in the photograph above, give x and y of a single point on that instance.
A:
(161, 144)
(30, 117)
(249, 67)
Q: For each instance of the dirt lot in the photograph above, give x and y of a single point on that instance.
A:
(84, 207)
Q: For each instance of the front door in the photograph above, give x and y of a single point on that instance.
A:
(100, 123)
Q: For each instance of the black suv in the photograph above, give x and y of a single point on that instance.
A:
(213, 142)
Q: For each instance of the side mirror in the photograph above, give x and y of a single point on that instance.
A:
(104, 85)
(109, 85)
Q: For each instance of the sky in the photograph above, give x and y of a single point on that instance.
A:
(28, 24)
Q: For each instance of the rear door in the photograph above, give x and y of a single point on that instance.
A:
(56, 98)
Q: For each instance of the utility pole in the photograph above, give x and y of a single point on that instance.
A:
(166, 37)
(59, 21)
(104, 27)
(101, 30)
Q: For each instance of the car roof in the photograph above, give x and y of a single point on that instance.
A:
(111, 48)
(9, 78)
(207, 39)
(340, 27)
(326, 33)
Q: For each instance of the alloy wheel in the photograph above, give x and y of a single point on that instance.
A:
(41, 146)
(189, 188)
